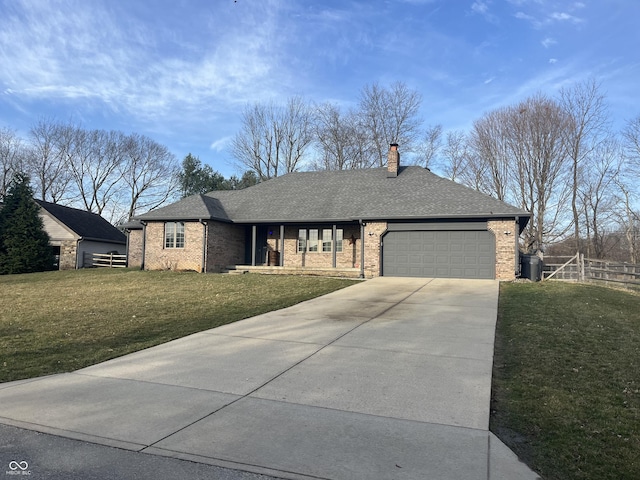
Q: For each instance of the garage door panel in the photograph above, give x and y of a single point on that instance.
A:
(447, 254)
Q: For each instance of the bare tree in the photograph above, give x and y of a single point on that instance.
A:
(11, 158)
(253, 145)
(456, 156)
(586, 107)
(598, 195)
(149, 171)
(430, 146)
(631, 139)
(629, 221)
(45, 161)
(535, 133)
(105, 172)
(340, 139)
(492, 156)
(93, 158)
(518, 154)
(274, 139)
(629, 187)
(296, 121)
(390, 116)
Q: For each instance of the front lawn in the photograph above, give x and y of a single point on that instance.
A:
(56, 322)
(566, 379)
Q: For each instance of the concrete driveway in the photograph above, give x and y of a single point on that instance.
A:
(389, 378)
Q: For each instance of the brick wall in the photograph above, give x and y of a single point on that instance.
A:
(68, 253)
(188, 258)
(505, 247)
(226, 246)
(372, 234)
(134, 253)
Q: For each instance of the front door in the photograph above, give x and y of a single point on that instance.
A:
(261, 245)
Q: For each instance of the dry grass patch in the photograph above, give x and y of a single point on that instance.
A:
(56, 322)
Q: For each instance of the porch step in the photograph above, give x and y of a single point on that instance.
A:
(233, 270)
(273, 270)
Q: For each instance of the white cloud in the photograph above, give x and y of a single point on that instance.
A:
(548, 19)
(548, 42)
(524, 16)
(553, 60)
(480, 7)
(562, 17)
(221, 144)
(87, 51)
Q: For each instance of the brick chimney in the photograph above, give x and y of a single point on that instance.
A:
(393, 160)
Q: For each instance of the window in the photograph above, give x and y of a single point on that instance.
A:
(311, 240)
(326, 239)
(174, 235)
(339, 240)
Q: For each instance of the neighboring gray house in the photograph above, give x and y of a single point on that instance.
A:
(395, 221)
(76, 234)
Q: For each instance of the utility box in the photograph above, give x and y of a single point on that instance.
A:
(531, 267)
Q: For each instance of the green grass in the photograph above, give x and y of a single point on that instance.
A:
(566, 384)
(56, 322)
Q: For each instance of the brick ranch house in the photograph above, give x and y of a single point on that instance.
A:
(394, 221)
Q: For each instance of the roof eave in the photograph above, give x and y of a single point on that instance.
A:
(383, 219)
(104, 240)
(177, 218)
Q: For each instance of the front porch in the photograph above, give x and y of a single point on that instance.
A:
(304, 247)
(293, 270)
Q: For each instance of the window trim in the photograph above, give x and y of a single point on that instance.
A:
(306, 241)
(174, 235)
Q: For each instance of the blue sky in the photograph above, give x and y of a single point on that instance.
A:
(181, 72)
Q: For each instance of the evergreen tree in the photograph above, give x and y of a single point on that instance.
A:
(24, 244)
(196, 178)
(249, 179)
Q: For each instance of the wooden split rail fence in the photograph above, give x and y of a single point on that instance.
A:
(109, 260)
(581, 269)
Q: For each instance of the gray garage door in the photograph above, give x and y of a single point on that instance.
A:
(440, 254)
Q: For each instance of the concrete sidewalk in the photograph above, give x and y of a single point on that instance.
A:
(390, 378)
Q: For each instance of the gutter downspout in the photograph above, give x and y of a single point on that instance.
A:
(144, 243)
(361, 249)
(126, 245)
(205, 232)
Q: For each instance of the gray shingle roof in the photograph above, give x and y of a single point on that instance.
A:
(416, 193)
(85, 224)
(195, 207)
